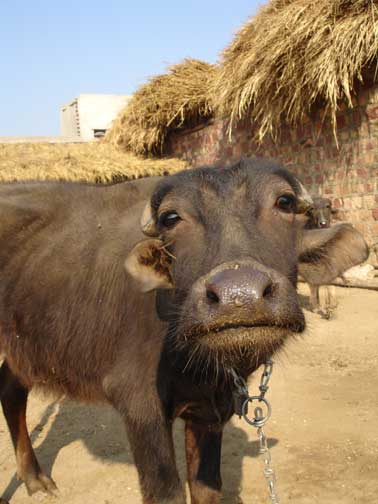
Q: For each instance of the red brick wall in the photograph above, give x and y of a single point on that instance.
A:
(348, 174)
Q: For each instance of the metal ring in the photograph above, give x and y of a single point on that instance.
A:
(256, 422)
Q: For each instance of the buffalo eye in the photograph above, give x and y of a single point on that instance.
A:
(169, 219)
(287, 203)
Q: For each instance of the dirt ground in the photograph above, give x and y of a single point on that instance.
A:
(323, 432)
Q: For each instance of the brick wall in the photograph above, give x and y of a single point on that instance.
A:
(347, 173)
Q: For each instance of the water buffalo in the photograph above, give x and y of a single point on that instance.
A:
(146, 294)
(320, 213)
(323, 298)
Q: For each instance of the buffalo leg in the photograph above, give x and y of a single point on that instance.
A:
(152, 446)
(14, 397)
(203, 456)
(332, 297)
(327, 300)
(314, 298)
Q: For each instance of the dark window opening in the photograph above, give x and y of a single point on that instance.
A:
(99, 133)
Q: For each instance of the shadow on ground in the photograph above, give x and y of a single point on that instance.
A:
(101, 431)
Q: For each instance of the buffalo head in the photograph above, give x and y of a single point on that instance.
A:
(224, 250)
(320, 214)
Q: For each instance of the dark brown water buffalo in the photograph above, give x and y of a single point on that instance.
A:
(320, 213)
(320, 217)
(145, 295)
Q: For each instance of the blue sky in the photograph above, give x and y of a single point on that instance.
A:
(51, 51)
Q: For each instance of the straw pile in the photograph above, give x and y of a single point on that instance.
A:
(166, 103)
(87, 162)
(295, 53)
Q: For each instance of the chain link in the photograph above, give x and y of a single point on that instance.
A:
(265, 377)
(269, 473)
(258, 421)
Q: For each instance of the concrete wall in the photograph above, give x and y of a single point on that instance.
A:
(90, 112)
(348, 174)
(69, 120)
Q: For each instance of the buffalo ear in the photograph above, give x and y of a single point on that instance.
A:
(149, 264)
(324, 254)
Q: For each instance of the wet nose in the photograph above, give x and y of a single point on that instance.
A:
(238, 287)
(323, 224)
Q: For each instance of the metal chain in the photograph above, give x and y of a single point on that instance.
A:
(269, 473)
(265, 377)
(258, 421)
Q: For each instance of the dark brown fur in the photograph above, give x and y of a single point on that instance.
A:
(320, 214)
(316, 268)
(74, 322)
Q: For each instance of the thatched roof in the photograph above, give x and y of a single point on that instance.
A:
(292, 55)
(87, 162)
(166, 103)
(295, 53)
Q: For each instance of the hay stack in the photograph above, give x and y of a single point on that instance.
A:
(295, 53)
(167, 102)
(87, 162)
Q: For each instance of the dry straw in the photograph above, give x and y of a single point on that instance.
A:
(166, 103)
(295, 53)
(87, 162)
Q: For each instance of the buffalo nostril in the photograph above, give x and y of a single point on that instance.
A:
(268, 291)
(211, 296)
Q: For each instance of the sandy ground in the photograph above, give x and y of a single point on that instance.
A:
(323, 433)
